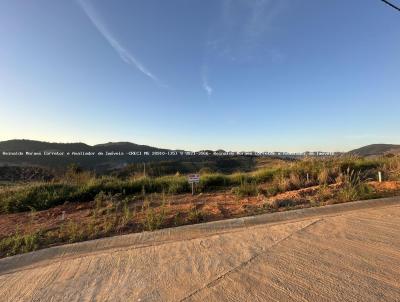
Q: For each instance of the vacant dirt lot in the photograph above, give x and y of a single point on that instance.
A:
(347, 252)
(212, 206)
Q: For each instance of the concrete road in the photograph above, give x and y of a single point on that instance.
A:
(348, 252)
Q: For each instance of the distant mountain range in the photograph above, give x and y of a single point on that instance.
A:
(376, 149)
(31, 145)
(61, 154)
(115, 155)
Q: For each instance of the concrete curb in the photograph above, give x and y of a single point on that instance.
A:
(189, 232)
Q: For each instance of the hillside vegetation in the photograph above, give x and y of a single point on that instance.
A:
(79, 205)
(81, 186)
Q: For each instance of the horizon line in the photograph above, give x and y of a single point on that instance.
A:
(179, 149)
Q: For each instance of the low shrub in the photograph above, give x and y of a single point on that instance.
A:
(264, 175)
(214, 181)
(77, 185)
(195, 215)
(281, 183)
(391, 168)
(71, 232)
(323, 194)
(295, 181)
(20, 243)
(36, 196)
(154, 218)
(282, 203)
(353, 188)
(323, 176)
(246, 189)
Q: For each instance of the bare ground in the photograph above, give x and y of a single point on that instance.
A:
(213, 206)
(347, 252)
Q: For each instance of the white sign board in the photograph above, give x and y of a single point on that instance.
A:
(193, 178)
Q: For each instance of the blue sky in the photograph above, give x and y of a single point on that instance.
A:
(262, 75)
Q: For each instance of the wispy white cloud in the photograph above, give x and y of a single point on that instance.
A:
(240, 32)
(262, 13)
(206, 85)
(124, 54)
(243, 29)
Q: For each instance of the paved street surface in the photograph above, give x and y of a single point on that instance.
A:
(347, 252)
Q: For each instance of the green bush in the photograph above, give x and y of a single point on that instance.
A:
(195, 215)
(171, 184)
(153, 219)
(391, 168)
(264, 175)
(37, 197)
(246, 189)
(239, 178)
(213, 181)
(72, 232)
(19, 243)
(353, 188)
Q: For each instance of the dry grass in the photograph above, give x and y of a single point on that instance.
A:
(124, 205)
(84, 186)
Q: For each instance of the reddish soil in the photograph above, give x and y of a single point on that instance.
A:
(44, 220)
(213, 206)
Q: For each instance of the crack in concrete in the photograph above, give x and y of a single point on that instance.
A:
(245, 263)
